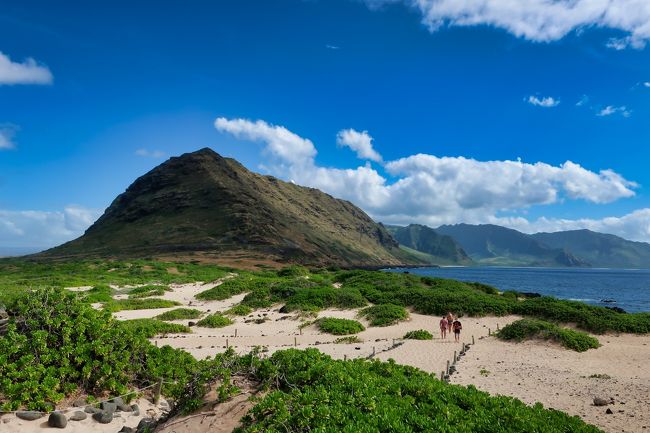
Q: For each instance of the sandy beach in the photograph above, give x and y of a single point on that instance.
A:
(533, 371)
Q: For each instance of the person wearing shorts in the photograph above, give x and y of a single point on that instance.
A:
(457, 327)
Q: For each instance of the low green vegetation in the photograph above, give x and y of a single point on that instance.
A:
(180, 314)
(384, 314)
(148, 290)
(350, 339)
(149, 328)
(311, 392)
(214, 321)
(526, 329)
(239, 310)
(332, 325)
(420, 334)
(100, 293)
(139, 304)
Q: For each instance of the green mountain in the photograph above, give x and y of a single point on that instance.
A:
(599, 249)
(441, 249)
(495, 245)
(203, 205)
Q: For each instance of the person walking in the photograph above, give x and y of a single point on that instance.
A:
(457, 328)
(450, 321)
(443, 327)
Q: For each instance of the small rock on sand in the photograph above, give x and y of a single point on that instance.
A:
(57, 420)
(78, 416)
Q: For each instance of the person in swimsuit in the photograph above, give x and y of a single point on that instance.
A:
(457, 327)
(450, 321)
(443, 328)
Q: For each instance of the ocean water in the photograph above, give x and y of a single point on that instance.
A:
(628, 288)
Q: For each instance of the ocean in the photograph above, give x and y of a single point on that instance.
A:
(628, 289)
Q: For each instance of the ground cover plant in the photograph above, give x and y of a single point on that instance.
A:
(332, 325)
(180, 314)
(139, 304)
(148, 290)
(526, 329)
(420, 334)
(149, 328)
(215, 320)
(311, 392)
(239, 310)
(100, 293)
(384, 314)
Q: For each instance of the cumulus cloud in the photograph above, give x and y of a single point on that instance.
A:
(610, 109)
(7, 133)
(360, 142)
(280, 142)
(146, 153)
(27, 72)
(539, 20)
(43, 229)
(442, 190)
(546, 102)
(647, 84)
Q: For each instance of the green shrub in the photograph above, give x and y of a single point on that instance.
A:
(147, 291)
(180, 314)
(525, 329)
(139, 304)
(240, 310)
(350, 339)
(384, 315)
(420, 334)
(100, 293)
(149, 328)
(214, 321)
(311, 392)
(336, 326)
(234, 286)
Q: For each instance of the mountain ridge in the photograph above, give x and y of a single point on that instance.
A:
(201, 202)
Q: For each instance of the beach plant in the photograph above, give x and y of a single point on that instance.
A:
(148, 290)
(335, 326)
(526, 329)
(350, 339)
(99, 293)
(308, 391)
(139, 304)
(149, 328)
(216, 320)
(180, 314)
(420, 334)
(239, 310)
(384, 314)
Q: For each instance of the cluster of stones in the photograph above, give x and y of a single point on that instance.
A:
(103, 414)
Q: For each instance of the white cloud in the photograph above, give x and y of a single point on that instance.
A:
(360, 142)
(146, 153)
(647, 84)
(610, 109)
(332, 47)
(28, 72)
(539, 20)
(584, 100)
(43, 229)
(280, 142)
(546, 102)
(444, 190)
(7, 133)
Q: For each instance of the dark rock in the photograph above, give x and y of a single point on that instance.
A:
(107, 406)
(609, 411)
(126, 429)
(145, 424)
(78, 416)
(135, 409)
(531, 294)
(57, 420)
(124, 407)
(29, 415)
(599, 401)
(91, 409)
(79, 403)
(118, 401)
(191, 324)
(103, 417)
(617, 310)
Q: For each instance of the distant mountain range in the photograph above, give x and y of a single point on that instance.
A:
(209, 207)
(495, 245)
(438, 248)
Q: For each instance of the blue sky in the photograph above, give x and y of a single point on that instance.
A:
(452, 94)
